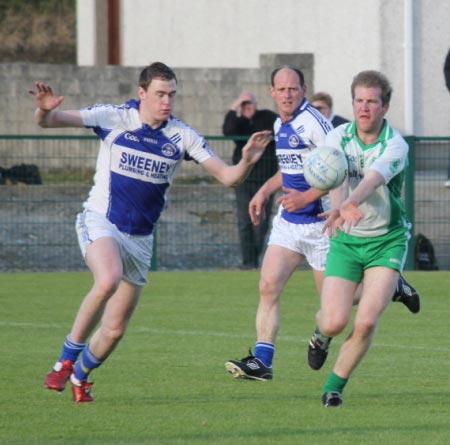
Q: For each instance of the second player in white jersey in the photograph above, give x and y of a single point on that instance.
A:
(295, 139)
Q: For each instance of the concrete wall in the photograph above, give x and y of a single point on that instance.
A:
(345, 37)
(203, 97)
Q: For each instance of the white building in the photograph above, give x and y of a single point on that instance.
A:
(405, 39)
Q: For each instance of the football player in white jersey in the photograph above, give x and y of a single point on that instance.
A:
(368, 228)
(142, 144)
(297, 232)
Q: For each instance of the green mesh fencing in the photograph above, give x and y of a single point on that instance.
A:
(198, 228)
(427, 195)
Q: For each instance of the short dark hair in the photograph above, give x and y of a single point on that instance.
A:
(323, 97)
(372, 78)
(156, 70)
(301, 77)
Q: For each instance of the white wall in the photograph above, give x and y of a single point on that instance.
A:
(86, 39)
(345, 36)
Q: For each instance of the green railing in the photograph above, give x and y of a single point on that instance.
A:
(198, 228)
(426, 195)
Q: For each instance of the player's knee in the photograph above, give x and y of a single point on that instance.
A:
(106, 286)
(331, 325)
(268, 290)
(364, 328)
(113, 334)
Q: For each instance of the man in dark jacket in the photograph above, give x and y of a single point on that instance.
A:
(447, 70)
(447, 82)
(243, 119)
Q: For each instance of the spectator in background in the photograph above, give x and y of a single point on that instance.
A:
(324, 103)
(447, 70)
(447, 82)
(243, 119)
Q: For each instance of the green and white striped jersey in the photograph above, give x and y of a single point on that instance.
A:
(384, 209)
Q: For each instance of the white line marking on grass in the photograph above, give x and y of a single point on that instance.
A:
(182, 332)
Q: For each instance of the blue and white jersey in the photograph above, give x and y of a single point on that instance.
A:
(294, 141)
(136, 164)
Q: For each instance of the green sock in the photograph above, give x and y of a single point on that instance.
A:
(334, 383)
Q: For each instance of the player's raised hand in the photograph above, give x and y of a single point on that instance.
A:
(255, 146)
(44, 97)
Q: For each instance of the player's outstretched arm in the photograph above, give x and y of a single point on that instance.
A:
(231, 175)
(46, 115)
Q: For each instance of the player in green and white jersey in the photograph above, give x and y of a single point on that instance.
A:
(383, 210)
(369, 232)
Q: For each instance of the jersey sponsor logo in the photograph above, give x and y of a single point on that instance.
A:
(355, 166)
(293, 140)
(151, 141)
(291, 163)
(355, 174)
(293, 158)
(131, 137)
(169, 150)
(143, 166)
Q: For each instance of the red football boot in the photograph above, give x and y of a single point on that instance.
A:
(81, 390)
(56, 379)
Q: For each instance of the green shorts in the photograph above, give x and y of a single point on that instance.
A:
(349, 256)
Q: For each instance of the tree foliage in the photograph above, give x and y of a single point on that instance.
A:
(38, 31)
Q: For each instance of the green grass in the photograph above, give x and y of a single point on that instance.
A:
(166, 382)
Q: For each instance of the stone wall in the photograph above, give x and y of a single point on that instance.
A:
(38, 221)
(204, 95)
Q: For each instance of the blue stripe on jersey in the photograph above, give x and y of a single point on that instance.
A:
(294, 140)
(324, 123)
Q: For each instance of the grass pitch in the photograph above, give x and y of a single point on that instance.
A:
(166, 383)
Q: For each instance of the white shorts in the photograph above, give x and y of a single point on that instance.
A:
(305, 239)
(135, 251)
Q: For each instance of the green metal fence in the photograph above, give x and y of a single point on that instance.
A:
(427, 197)
(198, 228)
